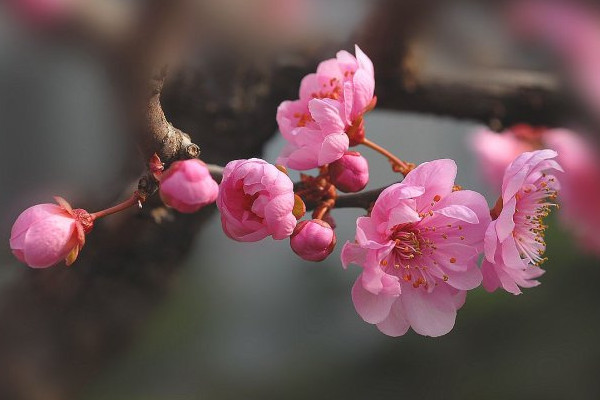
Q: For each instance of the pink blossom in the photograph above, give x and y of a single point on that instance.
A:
(256, 200)
(350, 173)
(419, 250)
(45, 234)
(313, 240)
(579, 157)
(331, 106)
(514, 241)
(187, 186)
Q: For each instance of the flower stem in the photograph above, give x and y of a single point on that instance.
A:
(130, 202)
(323, 208)
(397, 164)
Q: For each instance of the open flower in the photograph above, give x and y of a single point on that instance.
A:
(418, 249)
(578, 155)
(514, 241)
(256, 200)
(46, 234)
(331, 106)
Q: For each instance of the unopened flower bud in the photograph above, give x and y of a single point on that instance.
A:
(187, 186)
(46, 234)
(350, 173)
(313, 240)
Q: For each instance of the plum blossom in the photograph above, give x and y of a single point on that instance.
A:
(579, 157)
(256, 200)
(187, 186)
(45, 234)
(419, 249)
(514, 241)
(313, 240)
(330, 108)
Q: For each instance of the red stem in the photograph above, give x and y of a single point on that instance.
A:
(132, 201)
(403, 167)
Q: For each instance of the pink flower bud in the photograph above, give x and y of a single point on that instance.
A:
(350, 173)
(256, 200)
(187, 186)
(313, 240)
(45, 234)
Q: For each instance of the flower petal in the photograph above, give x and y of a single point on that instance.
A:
(430, 314)
(396, 323)
(371, 307)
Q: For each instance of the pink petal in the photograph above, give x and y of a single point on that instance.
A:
(353, 254)
(491, 282)
(364, 62)
(309, 86)
(32, 215)
(491, 242)
(364, 88)
(48, 241)
(505, 223)
(326, 113)
(465, 280)
(367, 235)
(333, 148)
(437, 177)
(371, 307)
(396, 323)
(430, 314)
(510, 255)
(459, 212)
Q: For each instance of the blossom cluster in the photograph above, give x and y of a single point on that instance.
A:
(423, 244)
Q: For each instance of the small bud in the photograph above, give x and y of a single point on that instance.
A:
(313, 240)
(350, 173)
(187, 186)
(156, 166)
(45, 234)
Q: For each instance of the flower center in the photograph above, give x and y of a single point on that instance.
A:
(407, 243)
(534, 202)
(409, 246)
(331, 90)
(303, 119)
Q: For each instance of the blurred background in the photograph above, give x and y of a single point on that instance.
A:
(172, 309)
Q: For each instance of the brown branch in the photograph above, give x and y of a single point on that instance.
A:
(359, 200)
(409, 80)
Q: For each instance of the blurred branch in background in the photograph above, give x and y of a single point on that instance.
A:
(67, 324)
